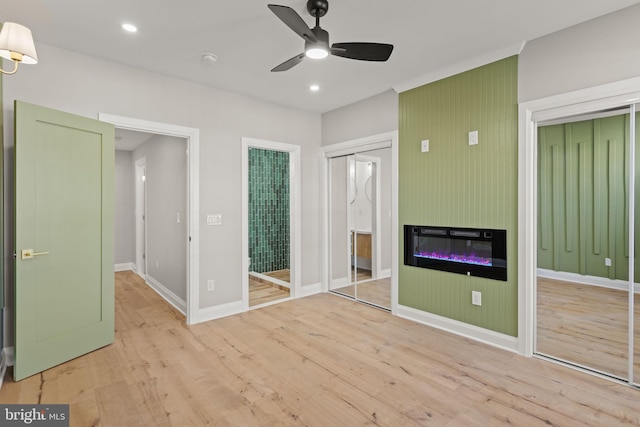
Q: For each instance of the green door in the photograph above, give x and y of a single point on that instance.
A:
(64, 291)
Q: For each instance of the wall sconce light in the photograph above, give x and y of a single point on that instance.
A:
(16, 44)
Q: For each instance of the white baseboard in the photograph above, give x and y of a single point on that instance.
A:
(167, 294)
(383, 274)
(602, 282)
(496, 339)
(308, 290)
(6, 360)
(339, 283)
(219, 311)
(126, 266)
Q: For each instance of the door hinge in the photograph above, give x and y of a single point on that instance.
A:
(144, 256)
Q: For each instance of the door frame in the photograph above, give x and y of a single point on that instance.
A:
(295, 215)
(141, 210)
(192, 135)
(355, 146)
(582, 101)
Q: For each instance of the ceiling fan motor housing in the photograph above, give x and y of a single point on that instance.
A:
(322, 39)
(317, 8)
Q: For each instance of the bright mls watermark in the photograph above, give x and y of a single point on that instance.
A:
(34, 415)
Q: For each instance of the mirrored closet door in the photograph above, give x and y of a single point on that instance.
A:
(586, 291)
(360, 226)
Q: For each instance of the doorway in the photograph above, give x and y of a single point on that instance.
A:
(140, 216)
(580, 304)
(361, 226)
(190, 219)
(271, 216)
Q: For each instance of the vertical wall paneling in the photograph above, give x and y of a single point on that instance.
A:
(459, 185)
(585, 220)
(269, 210)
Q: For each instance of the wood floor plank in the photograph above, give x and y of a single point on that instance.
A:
(318, 361)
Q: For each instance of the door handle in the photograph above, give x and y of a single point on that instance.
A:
(29, 253)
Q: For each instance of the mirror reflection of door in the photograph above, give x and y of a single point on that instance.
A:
(584, 296)
(360, 226)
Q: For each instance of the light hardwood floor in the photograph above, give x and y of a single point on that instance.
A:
(586, 325)
(262, 291)
(377, 292)
(317, 361)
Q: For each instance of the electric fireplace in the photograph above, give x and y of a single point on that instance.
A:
(470, 251)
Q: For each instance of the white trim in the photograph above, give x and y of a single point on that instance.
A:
(368, 143)
(6, 360)
(9, 355)
(270, 279)
(496, 339)
(125, 266)
(374, 142)
(140, 214)
(582, 101)
(167, 294)
(601, 282)
(341, 282)
(385, 274)
(461, 67)
(308, 290)
(219, 311)
(270, 303)
(295, 243)
(192, 135)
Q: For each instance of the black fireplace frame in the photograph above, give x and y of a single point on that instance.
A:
(498, 239)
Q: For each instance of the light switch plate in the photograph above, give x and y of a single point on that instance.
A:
(214, 219)
(473, 137)
(424, 147)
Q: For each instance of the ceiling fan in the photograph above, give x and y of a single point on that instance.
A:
(316, 40)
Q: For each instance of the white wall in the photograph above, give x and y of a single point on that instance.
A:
(593, 53)
(166, 198)
(87, 86)
(124, 225)
(371, 116)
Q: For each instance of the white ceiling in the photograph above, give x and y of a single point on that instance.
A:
(249, 40)
(129, 140)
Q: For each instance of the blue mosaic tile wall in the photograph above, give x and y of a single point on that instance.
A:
(268, 210)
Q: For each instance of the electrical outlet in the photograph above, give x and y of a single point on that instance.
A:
(607, 262)
(476, 298)
(211, 285)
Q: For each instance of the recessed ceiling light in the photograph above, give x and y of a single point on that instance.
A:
(314, 88)
(209, 58)
(130, 28)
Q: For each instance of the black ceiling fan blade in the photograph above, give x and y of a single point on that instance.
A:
(363, 51)
(289, 63)
(294, 21)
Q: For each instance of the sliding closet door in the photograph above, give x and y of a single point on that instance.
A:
(340, 196)
(583, 243)
(360, 226)
(634, 299)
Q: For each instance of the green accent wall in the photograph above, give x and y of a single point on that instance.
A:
(458, 185)
(268, 210)
(583, 197)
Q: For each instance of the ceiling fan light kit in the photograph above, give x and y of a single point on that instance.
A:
(316, 40)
